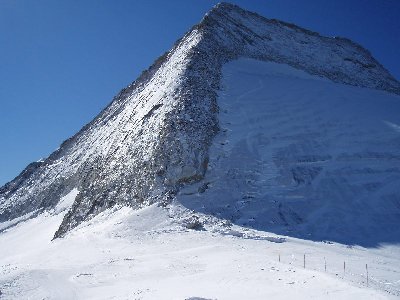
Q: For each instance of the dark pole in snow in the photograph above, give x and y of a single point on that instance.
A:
(366, 267)
(344, 268)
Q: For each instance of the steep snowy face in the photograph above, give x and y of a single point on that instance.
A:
(302, 156)
(155, 135)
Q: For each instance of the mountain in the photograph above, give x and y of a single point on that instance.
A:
(152, 142)
(254, 160)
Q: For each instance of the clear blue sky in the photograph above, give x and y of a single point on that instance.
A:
(61, 62)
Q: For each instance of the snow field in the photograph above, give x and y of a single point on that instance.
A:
(127, 254)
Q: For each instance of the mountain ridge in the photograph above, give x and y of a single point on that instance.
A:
(155, 134)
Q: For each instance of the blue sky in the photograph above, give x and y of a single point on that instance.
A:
(61, 62)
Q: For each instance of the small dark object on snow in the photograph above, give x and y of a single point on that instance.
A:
(193, 222)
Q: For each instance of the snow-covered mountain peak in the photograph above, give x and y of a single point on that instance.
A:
(244, 33)
(154, 137)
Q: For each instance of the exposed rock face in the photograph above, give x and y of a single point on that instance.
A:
(155, 134)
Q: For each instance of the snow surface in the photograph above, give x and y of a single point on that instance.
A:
(302, 156)
(145, 254)
(150, 254)
(66, 202)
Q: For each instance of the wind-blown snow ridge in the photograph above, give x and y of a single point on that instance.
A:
(155, 135)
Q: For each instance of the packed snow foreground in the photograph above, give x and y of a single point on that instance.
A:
(254, 160)
(151, 254)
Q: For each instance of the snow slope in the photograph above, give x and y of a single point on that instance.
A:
(144, 254)
(300, 155)
(254, 144)
(266, 108)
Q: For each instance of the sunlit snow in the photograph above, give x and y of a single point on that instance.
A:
(150, 254)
